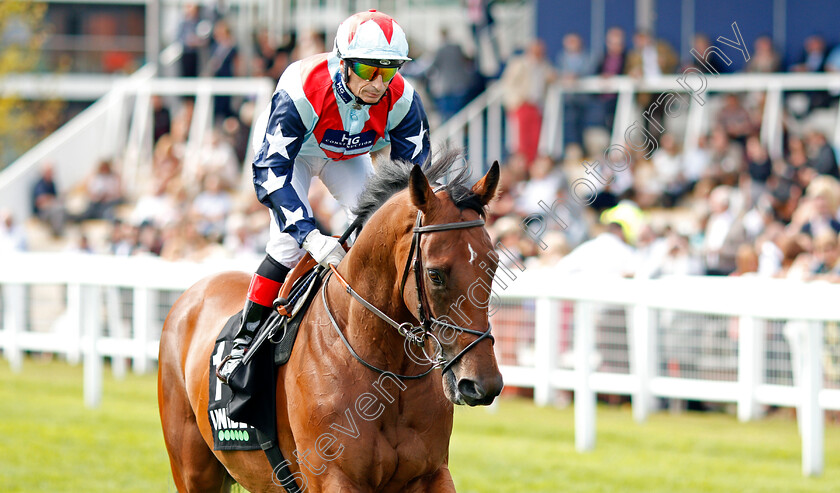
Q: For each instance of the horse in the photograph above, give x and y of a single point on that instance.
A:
(354, 411)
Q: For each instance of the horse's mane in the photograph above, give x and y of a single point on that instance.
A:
(392, 177)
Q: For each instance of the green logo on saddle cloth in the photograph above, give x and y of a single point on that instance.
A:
(234, 435)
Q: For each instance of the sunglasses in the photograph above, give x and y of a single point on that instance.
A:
(370, 72)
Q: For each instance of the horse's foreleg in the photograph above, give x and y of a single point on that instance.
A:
(438, 482)
(331, 483)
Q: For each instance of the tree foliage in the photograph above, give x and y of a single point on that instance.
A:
(22, 123)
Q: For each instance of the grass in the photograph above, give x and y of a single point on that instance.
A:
(49, 442)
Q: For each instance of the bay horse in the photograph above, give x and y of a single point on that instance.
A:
(343, 426)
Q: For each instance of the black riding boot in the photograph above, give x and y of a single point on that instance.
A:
(253, 316)
(265, 285)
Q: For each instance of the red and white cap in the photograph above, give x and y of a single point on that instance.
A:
(372, 35)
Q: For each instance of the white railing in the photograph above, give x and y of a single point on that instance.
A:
(749, 341)
(119, 126)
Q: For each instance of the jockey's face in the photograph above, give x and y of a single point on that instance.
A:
(369, 91)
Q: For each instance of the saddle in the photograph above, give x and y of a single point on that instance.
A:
(242, 413)
(247, 403)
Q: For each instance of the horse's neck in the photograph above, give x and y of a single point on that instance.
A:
(370, 270)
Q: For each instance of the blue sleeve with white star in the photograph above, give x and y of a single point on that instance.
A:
(410, 138)
(274, 165)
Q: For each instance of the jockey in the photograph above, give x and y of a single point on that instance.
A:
(328, 112)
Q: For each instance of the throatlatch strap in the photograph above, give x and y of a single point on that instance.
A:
(263, 290)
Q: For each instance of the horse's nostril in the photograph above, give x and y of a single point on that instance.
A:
(470, 389)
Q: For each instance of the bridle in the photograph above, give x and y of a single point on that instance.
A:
(413, 334)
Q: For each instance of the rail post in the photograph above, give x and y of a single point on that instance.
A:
(92, 317)
(584, 395)
(750, 366)
(545, 345)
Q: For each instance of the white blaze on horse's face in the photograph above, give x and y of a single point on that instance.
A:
(473, 255)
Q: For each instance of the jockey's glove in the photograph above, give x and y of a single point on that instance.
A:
(325, 250)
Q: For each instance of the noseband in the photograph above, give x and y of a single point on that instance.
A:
(414, 334)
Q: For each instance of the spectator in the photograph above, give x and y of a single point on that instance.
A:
(481, 22)
(821, 156)
(759, 169)
(240, 240)
(218, 158)
(746, 261)
(723, 234)
(272, 59)
(556, 247)
(124, 238)
(46, 203)
(813, 60)
(211, 208)
(12, 236)
(611, 64)
(825, 255)
(696, 162)
(783, 191)
(149, 241)
(648, 60)
(679, 260)
(700, 44)
(770, 254)
(166, 161)
(451, 77)
(797, 159)
(573, 62)
(158, 209)
(223, 62)
(507, 233)
(764, 59)
(311, 43)
(727, 157)
(734, 119)
(832, 61)
(545, 180)
(193, 39)
(161, 118)
(103, 191)
(818, 213)
(608, 254)
(813, 57)
(668, 163)
(525, 80)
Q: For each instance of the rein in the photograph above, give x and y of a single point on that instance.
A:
(415, 334)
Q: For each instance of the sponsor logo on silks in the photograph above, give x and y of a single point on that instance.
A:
(342, 142)
(226, 428)
(341, 89)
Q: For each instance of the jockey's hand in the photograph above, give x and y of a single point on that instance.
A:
(325, 250)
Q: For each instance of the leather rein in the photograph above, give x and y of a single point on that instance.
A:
(413, 334)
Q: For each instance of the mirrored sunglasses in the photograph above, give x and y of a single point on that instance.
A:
(370, 72)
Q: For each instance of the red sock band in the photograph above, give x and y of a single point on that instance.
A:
(263, 290)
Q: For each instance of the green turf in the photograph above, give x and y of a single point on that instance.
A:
(49, 442)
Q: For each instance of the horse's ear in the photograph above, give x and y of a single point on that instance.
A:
(485, 189)
(422, 195)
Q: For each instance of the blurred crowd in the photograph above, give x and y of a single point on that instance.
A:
(720, 206)
(723, 205)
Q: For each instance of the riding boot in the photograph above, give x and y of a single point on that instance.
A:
(261, 294)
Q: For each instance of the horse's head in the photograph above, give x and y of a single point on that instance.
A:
(447, 277)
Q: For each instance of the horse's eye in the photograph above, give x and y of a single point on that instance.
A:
(436, 277)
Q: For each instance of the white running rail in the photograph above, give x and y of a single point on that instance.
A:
(749, 341)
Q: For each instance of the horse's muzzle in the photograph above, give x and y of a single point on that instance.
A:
(472, 391)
